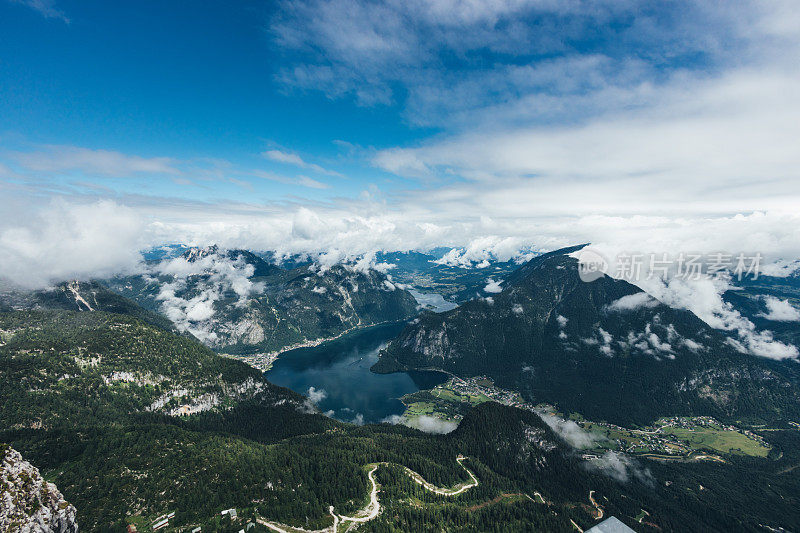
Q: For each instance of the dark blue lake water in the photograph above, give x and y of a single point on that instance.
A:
(337, 375)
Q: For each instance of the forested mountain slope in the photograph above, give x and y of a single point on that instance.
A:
(605, 349)
(235, 302)
(79, 296)
(132, 421)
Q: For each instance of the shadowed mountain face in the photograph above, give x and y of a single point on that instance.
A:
(236, 302)
(80, 296)
(605, 349)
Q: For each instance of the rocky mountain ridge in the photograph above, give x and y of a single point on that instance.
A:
(29, 504)
(235, 302)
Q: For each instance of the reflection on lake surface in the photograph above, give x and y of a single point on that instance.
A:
(340, 370)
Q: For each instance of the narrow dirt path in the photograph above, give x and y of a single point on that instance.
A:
(373, 507)
(596, 506)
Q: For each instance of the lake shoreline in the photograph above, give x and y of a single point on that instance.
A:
(337, 377)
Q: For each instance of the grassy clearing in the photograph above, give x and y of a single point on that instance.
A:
(731, 442)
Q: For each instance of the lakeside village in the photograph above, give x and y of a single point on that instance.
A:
(675, 436)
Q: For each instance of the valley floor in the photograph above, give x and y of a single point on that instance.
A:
(673, 438)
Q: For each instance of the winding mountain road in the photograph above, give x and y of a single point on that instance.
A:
(597, 506)
(445, 492)
(373, 508)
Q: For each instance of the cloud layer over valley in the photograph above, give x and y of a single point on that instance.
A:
(499, 128)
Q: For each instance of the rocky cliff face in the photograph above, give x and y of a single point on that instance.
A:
(28, 503)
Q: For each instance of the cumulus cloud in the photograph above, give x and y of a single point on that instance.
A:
(622, 468)
(96, 239)
(431, 424)
(60, 241)
(780, 310)
(191, 287)
(428, 424)
(82, 240)
(602, 339)
(781, 268)
(480, 251)
(392, 419)
(311, 404)
(493, 286)
(316, 395)
(632, 302)
(703, 297)
(568, 430)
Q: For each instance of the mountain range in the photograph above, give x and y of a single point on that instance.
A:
(236, 302)
(605, 349)
(134, 423)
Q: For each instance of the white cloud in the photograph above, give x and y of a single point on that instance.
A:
(60, 241)
(493, 286)
(431, 424)
(46, 8)
(392, 419)
(316, 395)
(602, 339)
(781, 268)
(385, 52)
(428, 424)
(703, 147)
(303, 181)
(632, 302)
(209, 277)
(621, 467)
(294, 159)
(570, 431)
(108, 163)
(481, 250)
(780, 310)
(704, 298)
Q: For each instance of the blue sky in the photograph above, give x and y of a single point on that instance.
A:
(228, 81)
(348, 126)
(170, 79)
